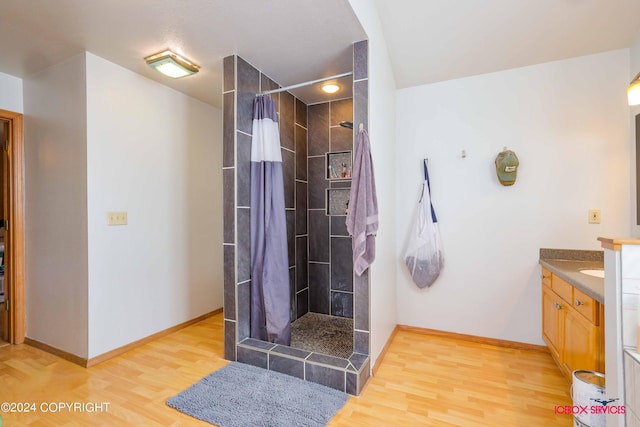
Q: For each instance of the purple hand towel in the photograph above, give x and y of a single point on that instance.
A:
(362, 218)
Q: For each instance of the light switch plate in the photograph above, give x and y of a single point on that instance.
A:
(594, 216)
(116, 218)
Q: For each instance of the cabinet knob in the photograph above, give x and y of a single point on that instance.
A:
(557, 306)
(578, 303)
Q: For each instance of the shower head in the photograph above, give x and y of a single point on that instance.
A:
(347, 125)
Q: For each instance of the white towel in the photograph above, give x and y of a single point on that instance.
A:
(362, 218)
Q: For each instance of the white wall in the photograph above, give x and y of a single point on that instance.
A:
(635, 110)
(568, 123)
(56, 206)
(11, 93)
(156, 154)
(382, 133)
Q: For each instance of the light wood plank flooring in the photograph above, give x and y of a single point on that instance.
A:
(423, 381)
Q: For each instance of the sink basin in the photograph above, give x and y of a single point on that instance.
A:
(594, 273)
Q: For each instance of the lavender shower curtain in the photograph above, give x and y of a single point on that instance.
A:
(270, 292)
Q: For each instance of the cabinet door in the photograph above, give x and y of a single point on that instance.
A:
(552, 322)
(580, 343)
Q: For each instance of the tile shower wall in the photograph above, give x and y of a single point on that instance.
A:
(241, 81)
(330, 255)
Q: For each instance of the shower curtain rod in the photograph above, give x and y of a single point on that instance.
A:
(312, 82)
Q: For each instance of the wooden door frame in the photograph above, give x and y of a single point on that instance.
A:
(14, 241)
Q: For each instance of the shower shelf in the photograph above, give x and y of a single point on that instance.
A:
(337, 201)
(339, 165)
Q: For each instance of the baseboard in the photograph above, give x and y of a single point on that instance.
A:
(473, 338)
(376, 365)
(87, 363)
(56, 352)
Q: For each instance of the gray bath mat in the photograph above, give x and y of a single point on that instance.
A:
(240, 395)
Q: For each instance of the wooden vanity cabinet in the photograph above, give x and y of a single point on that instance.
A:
(572, 325)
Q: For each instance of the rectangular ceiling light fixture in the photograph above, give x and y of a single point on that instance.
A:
(633, 91)
(171, 64)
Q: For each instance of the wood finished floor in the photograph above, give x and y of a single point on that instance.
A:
(423, 381)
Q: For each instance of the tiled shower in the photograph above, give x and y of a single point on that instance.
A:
(320, 261)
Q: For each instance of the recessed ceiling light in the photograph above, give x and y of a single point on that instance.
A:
(330, 88)
(171, 64)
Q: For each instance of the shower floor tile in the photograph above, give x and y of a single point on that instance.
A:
(324, 334)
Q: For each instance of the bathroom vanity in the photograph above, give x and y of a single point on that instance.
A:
(573, 309)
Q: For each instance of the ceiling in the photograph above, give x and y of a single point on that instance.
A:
(294, 41)
(289, 40)
(435, 40)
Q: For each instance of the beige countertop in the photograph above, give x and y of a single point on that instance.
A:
(569, 270)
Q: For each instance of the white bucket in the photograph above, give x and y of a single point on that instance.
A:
(588, 385)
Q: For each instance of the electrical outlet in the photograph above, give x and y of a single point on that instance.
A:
(594, 216)
(116, 218)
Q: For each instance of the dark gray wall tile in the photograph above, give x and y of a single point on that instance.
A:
(361, 104)
(228, 204)
(318, 236)
(229, 254)
(286, 121)
(301, 153)
(301, 113)
(342, 304)
(248, 83)
(318, 135)
(252, 357)
(229, 73)
(352, 384)
(302, 303)
(339, 226)
(358, 360)
(341, 139)
(317, 182)
(341, 184)
(363, 376)
(293, 315)
(267, 84)
(244, 310)
(361, 342)
(361, 302)
(286, 365)
(319, 288)
(244, 244)
(360, 60)
(291, 236)
(302, 264)
(228, 129)
(341, 264)
(329, 377)
(244, 169)
(288, 176)
(328, 360)
(257, 344)
(295, 352)
(230, 340)
(341, 111)
(301, 208)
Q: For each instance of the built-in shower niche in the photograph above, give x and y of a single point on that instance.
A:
(338, 201)
(339, 165)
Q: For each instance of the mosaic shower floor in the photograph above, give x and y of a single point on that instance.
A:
(324, 334)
